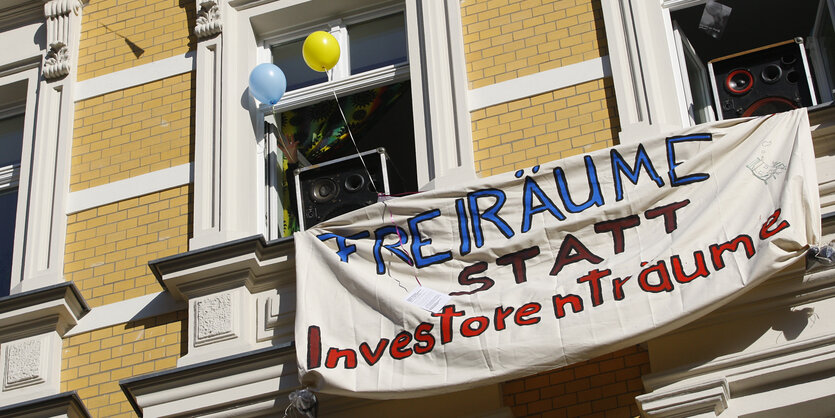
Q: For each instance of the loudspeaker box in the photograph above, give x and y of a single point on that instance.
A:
(336, 187)
(761, 81)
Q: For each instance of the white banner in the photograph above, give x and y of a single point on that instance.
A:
(529, 271)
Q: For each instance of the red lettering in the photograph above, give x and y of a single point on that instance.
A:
(559, 304)
(617, 287)
(372, 357)
(716, 250)
(422, 335)
(526, 310)
(314, 347)
(678, 269)
(765, 232)
(446, 316)
(669, 213)
(500, 316)
(664, 284)
(593, 279)
(334, 354)
(465, 280)
(517, 260)
(564, 257)
(616, 227)
(398, 349)
(467, 329)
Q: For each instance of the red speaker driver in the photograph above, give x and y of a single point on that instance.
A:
(769, 105)
(739, 82)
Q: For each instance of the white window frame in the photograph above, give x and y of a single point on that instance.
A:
(16, 176)
(341, 83)
(43, 180)
(231, 149)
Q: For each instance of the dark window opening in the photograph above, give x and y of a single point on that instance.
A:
(753, 25)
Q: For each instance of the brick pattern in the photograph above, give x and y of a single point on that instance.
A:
(93, 363)
(506, 39)
(120, 34)
(108, 248)
(133, 131)
(544, 128)
(602, 387)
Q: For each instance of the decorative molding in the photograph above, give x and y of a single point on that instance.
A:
(58, 306)
(704, 398)
(57, 60)
(24, 364)
(255, 383)
(135, 76)
(62, 405)
(208, 18)
(129, 188)
(542, 82)
(31, 326)
(214, 319)
(276, 315)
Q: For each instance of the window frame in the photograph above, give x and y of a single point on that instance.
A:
(20, 174)
(232, 152)
(651, 89)
(341, 82)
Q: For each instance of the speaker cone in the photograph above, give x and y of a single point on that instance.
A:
(769, 105)
(323, 190)
(771, 73)
(354, 182)
(739, 82)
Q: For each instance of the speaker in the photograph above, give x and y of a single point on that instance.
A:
(333, 188)
(761, 81)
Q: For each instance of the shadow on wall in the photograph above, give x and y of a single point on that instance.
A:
(189, 7)
(136, 49)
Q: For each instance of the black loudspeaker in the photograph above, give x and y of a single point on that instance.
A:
(336, 187)
(761, 81)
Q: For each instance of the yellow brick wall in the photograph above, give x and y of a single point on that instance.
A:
(120, 34)
(131, 132)
(506, 39)
(108, 248)
(542, 128)
(93, 363)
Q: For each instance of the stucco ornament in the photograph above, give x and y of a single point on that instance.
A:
(57, 59)
(208, 21)
(213, 319)
(23, 364)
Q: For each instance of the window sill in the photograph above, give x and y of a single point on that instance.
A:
(353, 84)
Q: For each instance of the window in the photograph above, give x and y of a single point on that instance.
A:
(372, 83)
(780, 52)
(11, 143)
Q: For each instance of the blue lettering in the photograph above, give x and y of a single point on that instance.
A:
(675, 180)
(417, 242)
(595, 197)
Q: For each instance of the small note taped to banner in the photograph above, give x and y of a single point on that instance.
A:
(428, 299)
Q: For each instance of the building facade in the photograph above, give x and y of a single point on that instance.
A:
(147, 264)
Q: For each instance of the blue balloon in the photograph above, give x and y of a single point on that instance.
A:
(267, 83)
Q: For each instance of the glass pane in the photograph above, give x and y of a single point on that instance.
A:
(288, 57)
(11, 140)
(8, 207)
(377, 43)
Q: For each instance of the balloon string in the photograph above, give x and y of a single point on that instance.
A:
(350, 134)
(391, 216)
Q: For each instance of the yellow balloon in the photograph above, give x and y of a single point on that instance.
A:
(320, 51)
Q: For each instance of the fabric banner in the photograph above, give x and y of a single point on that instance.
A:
(525, 272)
